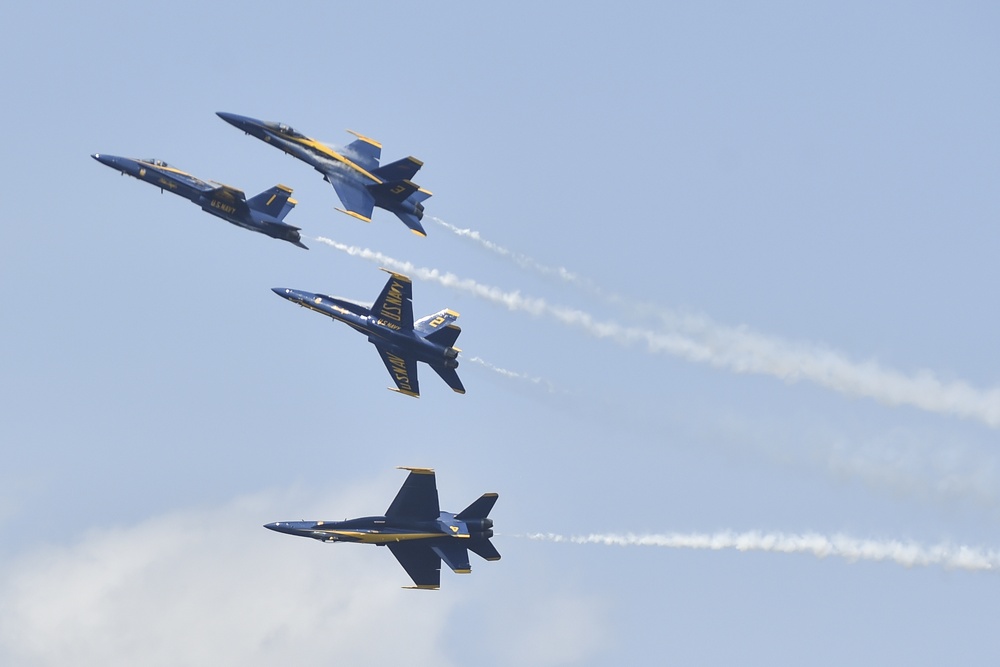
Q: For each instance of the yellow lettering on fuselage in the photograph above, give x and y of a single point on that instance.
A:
(399, 372)
(222, 207)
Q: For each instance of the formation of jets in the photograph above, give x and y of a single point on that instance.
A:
(414, 528)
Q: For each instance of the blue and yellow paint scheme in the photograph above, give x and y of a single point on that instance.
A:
(354, 172)
(389, 325)
(415, 529)
(263, 213)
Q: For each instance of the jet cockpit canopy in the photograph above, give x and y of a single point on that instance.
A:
(287, 130)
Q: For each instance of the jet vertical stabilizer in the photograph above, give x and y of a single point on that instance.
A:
(275, 202)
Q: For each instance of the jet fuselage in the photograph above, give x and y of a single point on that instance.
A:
(341, 169)
(220, 200)
(415, 530)
(361, 318)
(383, 530)
(310, 151)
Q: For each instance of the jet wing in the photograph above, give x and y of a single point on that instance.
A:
(357, 201)
(395, 303)
(420, 562)
(400, 170)
(417, 499)
(403, 370)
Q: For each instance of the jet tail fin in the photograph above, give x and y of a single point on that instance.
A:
(429, 323)
(450, 377)
(480, 527)
(393, 191)
(275, 202)
(446, 336)
(412, 221)
(400, 170)
(484, 549)
(480, 508)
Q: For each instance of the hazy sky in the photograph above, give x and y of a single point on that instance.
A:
(726, 275)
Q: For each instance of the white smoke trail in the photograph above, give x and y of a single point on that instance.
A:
(636, 308)
(738, 350)
(908, 554)
(521, 260)
(537, 381)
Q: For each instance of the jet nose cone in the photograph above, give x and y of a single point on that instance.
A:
(287, 527)
(242, 122)
(281, 291)
(109, 160)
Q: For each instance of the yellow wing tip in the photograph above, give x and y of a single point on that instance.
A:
(354, 215)
(403, 392)
(462, 571)
(419, 233)
(419, 471)
(423, 587)
(397, 275)
(367, 140)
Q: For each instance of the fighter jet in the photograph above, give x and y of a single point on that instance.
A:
(389, 325)
(354, 173)
(263, 213)
(415, 529)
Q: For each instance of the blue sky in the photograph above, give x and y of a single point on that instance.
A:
(780, 225)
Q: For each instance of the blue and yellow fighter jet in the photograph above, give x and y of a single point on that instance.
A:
(354, 173)
(263, 213)
(389, 325)
(415, 529)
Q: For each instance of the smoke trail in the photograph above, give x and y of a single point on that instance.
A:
(908, 554)
(738, 350)
(636, 308)
(537, 381)
(521, 260)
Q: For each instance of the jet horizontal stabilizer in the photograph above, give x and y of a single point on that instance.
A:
(484, 549)
(455, 555)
